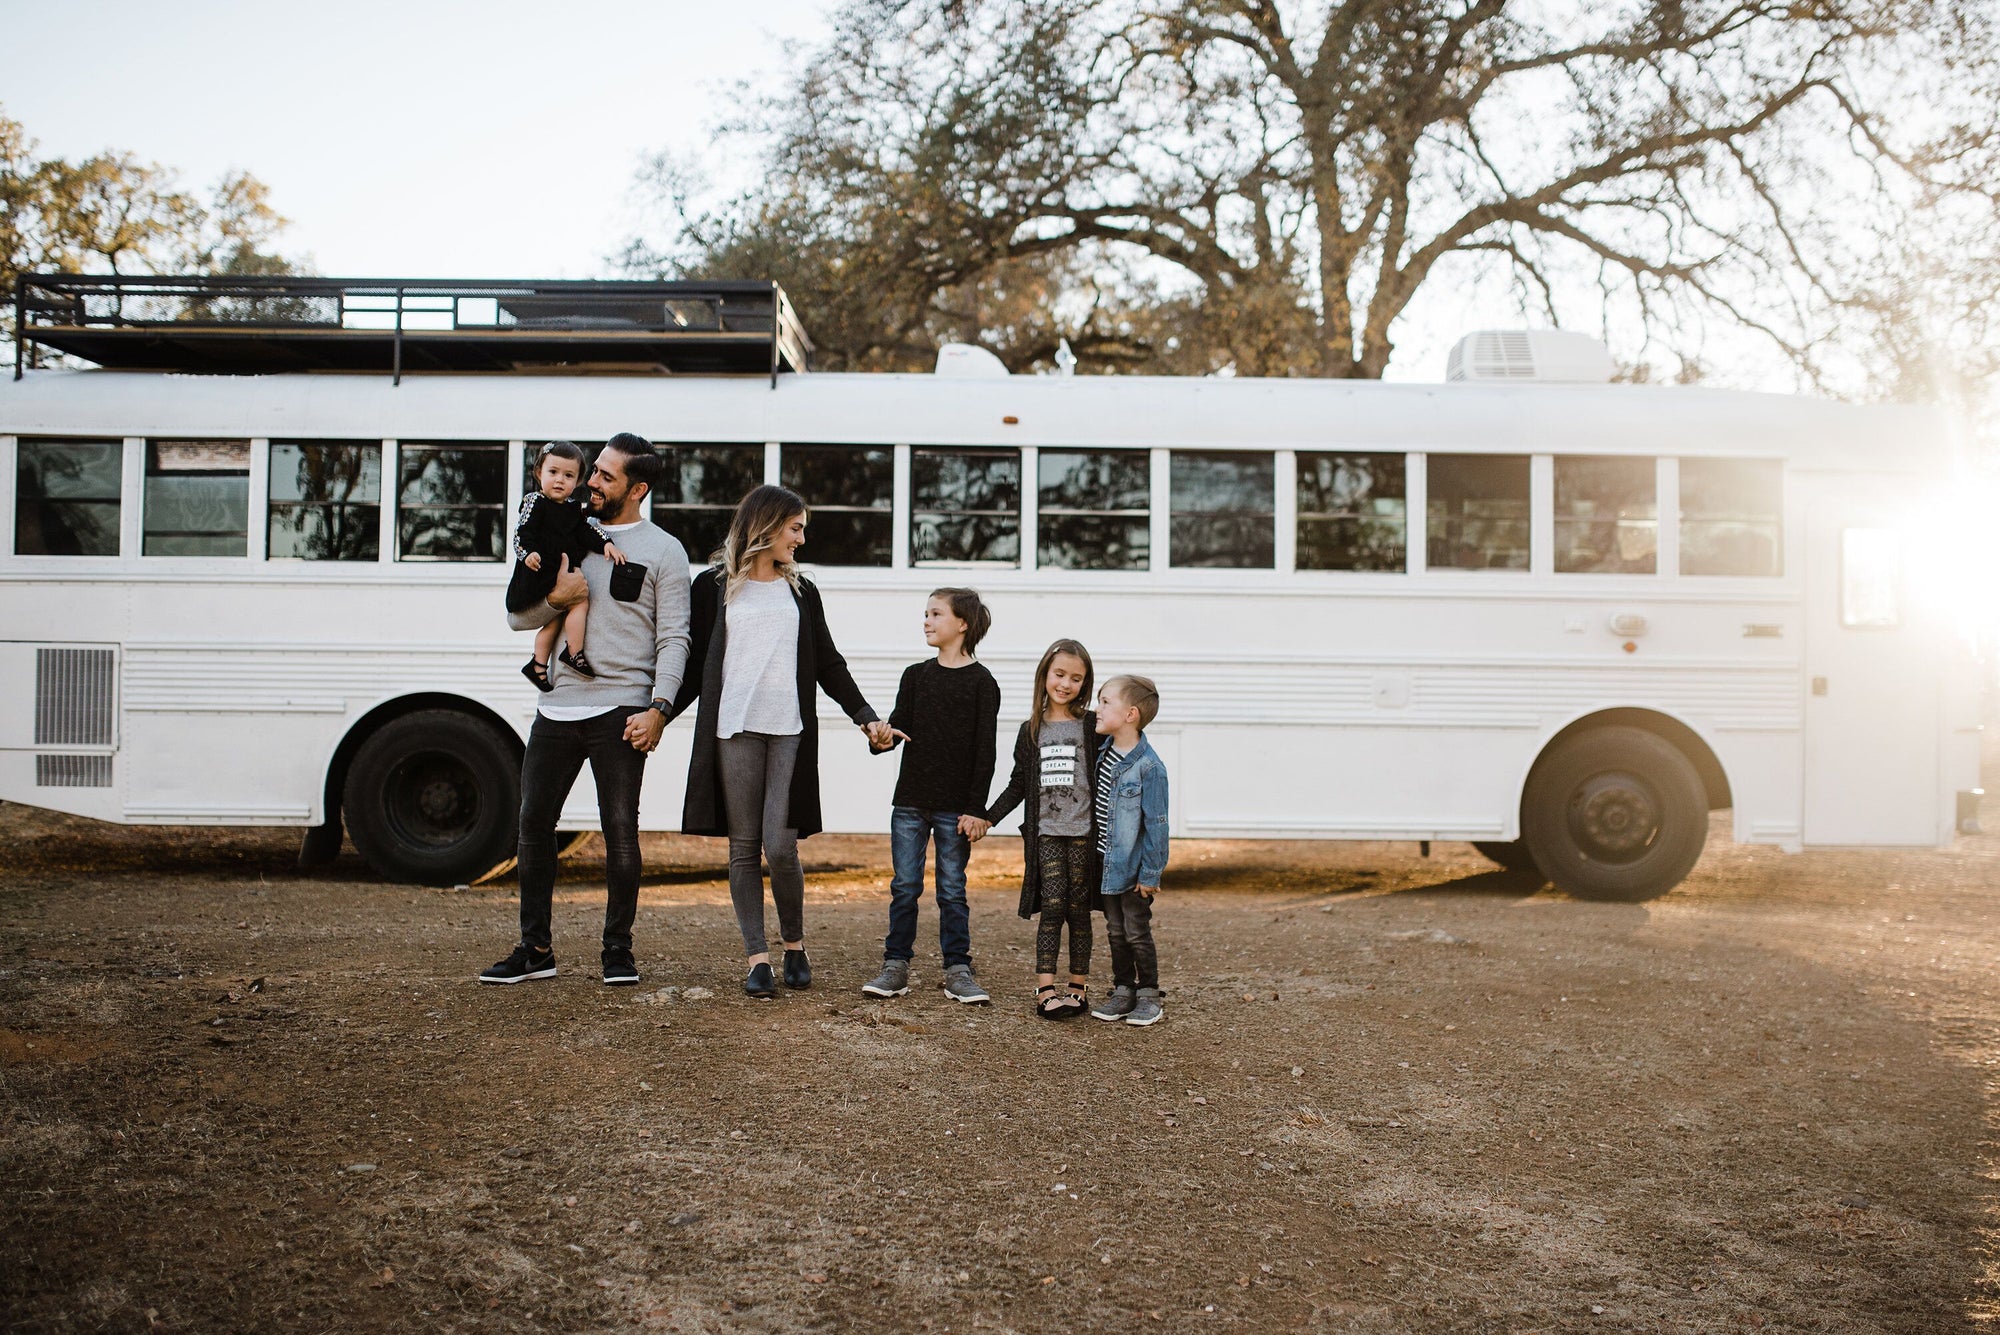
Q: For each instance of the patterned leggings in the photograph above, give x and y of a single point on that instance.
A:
(1067, 896)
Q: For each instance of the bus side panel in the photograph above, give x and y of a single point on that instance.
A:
(1349, 783)
(223, 769)
(56, 783)
(1766, 776)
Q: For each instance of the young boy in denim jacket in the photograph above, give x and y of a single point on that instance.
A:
(1131, 793)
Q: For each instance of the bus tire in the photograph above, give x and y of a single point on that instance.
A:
(433, 798)
(1513, 856)
(1615, 813)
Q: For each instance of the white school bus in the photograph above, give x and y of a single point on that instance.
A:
(252, 568)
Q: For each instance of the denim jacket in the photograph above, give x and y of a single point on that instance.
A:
(1136, 852)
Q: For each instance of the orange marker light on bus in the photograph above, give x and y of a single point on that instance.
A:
(1630, 647)
(1010, 421)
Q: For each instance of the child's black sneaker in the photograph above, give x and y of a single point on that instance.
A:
(619, 968)
(578, 662)
(520, 966)
(760, 986)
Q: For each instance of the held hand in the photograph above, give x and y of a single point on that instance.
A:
(533, 560)
(617, 556)
(643, 730)
(1148, 891)
(973, 828)
(880, 734)
(571, 588)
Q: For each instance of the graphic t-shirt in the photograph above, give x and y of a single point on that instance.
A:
(1063, 808)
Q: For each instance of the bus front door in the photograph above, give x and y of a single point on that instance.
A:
(1872, 678)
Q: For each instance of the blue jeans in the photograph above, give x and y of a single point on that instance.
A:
(909, 831)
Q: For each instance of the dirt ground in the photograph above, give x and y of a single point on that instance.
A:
(1391, 1094)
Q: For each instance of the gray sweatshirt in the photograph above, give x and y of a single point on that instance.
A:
(639, 648)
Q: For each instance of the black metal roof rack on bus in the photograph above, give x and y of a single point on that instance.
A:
(265, 324)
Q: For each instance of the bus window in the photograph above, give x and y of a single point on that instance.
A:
(66, 497)
(1093, 507)
(326, 500)
(1871, 571)
(197, 498)
(1607, 514)
(1478, 512)
(852, 490)
(1223, 510)
(1732, 517)
(965, 506)
(699, 492)
(1352, 511)
(451, 502)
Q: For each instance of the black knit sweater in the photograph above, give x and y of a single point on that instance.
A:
(950, 715)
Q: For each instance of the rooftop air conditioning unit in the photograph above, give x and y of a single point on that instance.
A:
(1548, 356)
(969, 361)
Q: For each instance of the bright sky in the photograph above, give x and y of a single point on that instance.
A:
(427, 138)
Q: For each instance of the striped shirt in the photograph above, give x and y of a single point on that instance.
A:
(1108, 760)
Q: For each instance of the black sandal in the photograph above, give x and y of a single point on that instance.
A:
(578, 662)
(1046, 1004)
(538, 672)
(1080, 994)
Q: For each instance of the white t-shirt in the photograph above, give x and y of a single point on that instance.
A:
(760, 665)
(577, 713)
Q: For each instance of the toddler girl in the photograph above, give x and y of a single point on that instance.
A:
(555, 523)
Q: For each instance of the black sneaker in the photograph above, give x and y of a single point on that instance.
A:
(619, 970)
(760, 986)
(798, 969)
(520, 966)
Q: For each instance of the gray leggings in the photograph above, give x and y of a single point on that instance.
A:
(757, 790)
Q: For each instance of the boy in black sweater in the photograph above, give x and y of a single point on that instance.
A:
(946, 709)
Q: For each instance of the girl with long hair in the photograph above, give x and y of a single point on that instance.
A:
(1055, 756)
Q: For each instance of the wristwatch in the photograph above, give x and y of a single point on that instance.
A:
(664, 706)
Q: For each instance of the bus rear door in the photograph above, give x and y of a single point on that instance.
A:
(1872, 672)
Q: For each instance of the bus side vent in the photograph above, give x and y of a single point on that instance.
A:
(75, 697)
(72, 771)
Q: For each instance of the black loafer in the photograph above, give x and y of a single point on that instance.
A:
(798, 969)
(759, 985)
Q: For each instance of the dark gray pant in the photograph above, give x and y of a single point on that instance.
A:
(757, 791)
(556, 755)
(1128, 922)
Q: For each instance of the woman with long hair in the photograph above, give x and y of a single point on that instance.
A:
(761, 652)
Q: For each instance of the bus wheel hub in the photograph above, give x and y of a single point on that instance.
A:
(1613, 818)
(439, 801)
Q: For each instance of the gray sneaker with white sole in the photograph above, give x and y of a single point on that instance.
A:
(1117, 1004)
(893, 981)
(960, 985)
(1148, 1008)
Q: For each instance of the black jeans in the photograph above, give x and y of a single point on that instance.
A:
(1128, 922)
(556, 753)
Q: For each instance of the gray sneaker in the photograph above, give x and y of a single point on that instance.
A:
(1117, 1005)
(893, 981)
(960, 985)
(1148, 1008)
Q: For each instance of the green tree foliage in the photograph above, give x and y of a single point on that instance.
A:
(1270, 186)
(114, 214)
